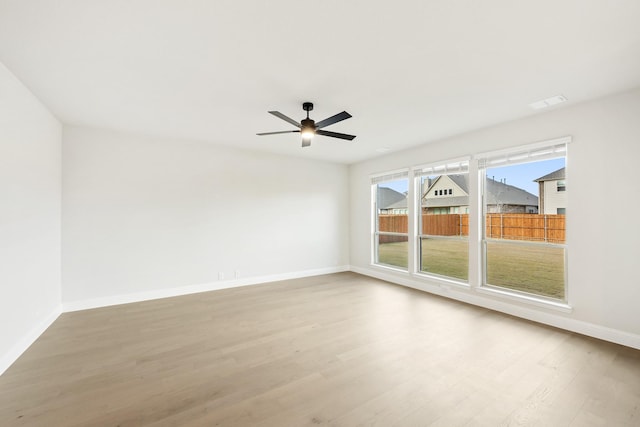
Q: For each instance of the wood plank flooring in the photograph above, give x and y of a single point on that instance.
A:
(338, 350)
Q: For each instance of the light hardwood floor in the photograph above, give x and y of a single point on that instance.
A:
(339, 350)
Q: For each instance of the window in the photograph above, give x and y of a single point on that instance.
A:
(443, 233)
(391, 221)
(518, 202)
(524, 246)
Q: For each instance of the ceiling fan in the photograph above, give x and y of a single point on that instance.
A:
(308, 128)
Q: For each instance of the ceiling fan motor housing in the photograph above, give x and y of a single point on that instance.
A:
(308, 124)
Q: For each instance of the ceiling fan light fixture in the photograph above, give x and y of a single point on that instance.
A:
(308, 127)
(307, 136)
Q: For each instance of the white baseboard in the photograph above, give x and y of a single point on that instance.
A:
(546, 316)
(25, 342)
(69, 306)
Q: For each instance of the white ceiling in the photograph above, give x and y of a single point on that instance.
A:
(409, 71)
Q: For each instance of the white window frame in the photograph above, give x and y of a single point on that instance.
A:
(544, 150)
(381, 178)
(454, 166)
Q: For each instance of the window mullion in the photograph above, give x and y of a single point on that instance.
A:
(411, 206)
(476, 178)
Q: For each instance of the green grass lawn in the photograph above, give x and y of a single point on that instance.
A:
(446, 257)
(394, 254)
(534, 268)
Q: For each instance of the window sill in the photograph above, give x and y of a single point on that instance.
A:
(390, 268)
(441, 281)
(528, 299)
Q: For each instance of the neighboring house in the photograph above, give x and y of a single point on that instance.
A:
(446, 194)
(449, 194)
(398, 208)
(391, 201)
(553, 192)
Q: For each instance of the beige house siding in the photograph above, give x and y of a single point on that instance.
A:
(444, 183)
(553, 199)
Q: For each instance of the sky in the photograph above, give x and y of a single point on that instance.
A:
(520, 176)
(401, 186)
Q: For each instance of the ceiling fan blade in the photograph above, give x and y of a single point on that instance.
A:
(333, 119)
(306, 143)
(276, 133)
(285, 118)
(335, 134)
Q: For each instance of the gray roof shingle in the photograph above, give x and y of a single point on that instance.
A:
(500, 193)
(440, 202)
(559, 174)
(388, 196)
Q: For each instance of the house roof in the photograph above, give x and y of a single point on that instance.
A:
(496, 193)
(559, 174)
(461, 181)
(400, 204)
(440, 202)
(388, 197)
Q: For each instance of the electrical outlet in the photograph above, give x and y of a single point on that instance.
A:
(221, 276)
(237, 273)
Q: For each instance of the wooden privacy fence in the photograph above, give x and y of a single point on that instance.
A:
(446, 225)
(393, 224)
(530, 227)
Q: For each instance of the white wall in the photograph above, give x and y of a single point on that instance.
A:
(30, 140)
(604, 284)
(144, 216)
